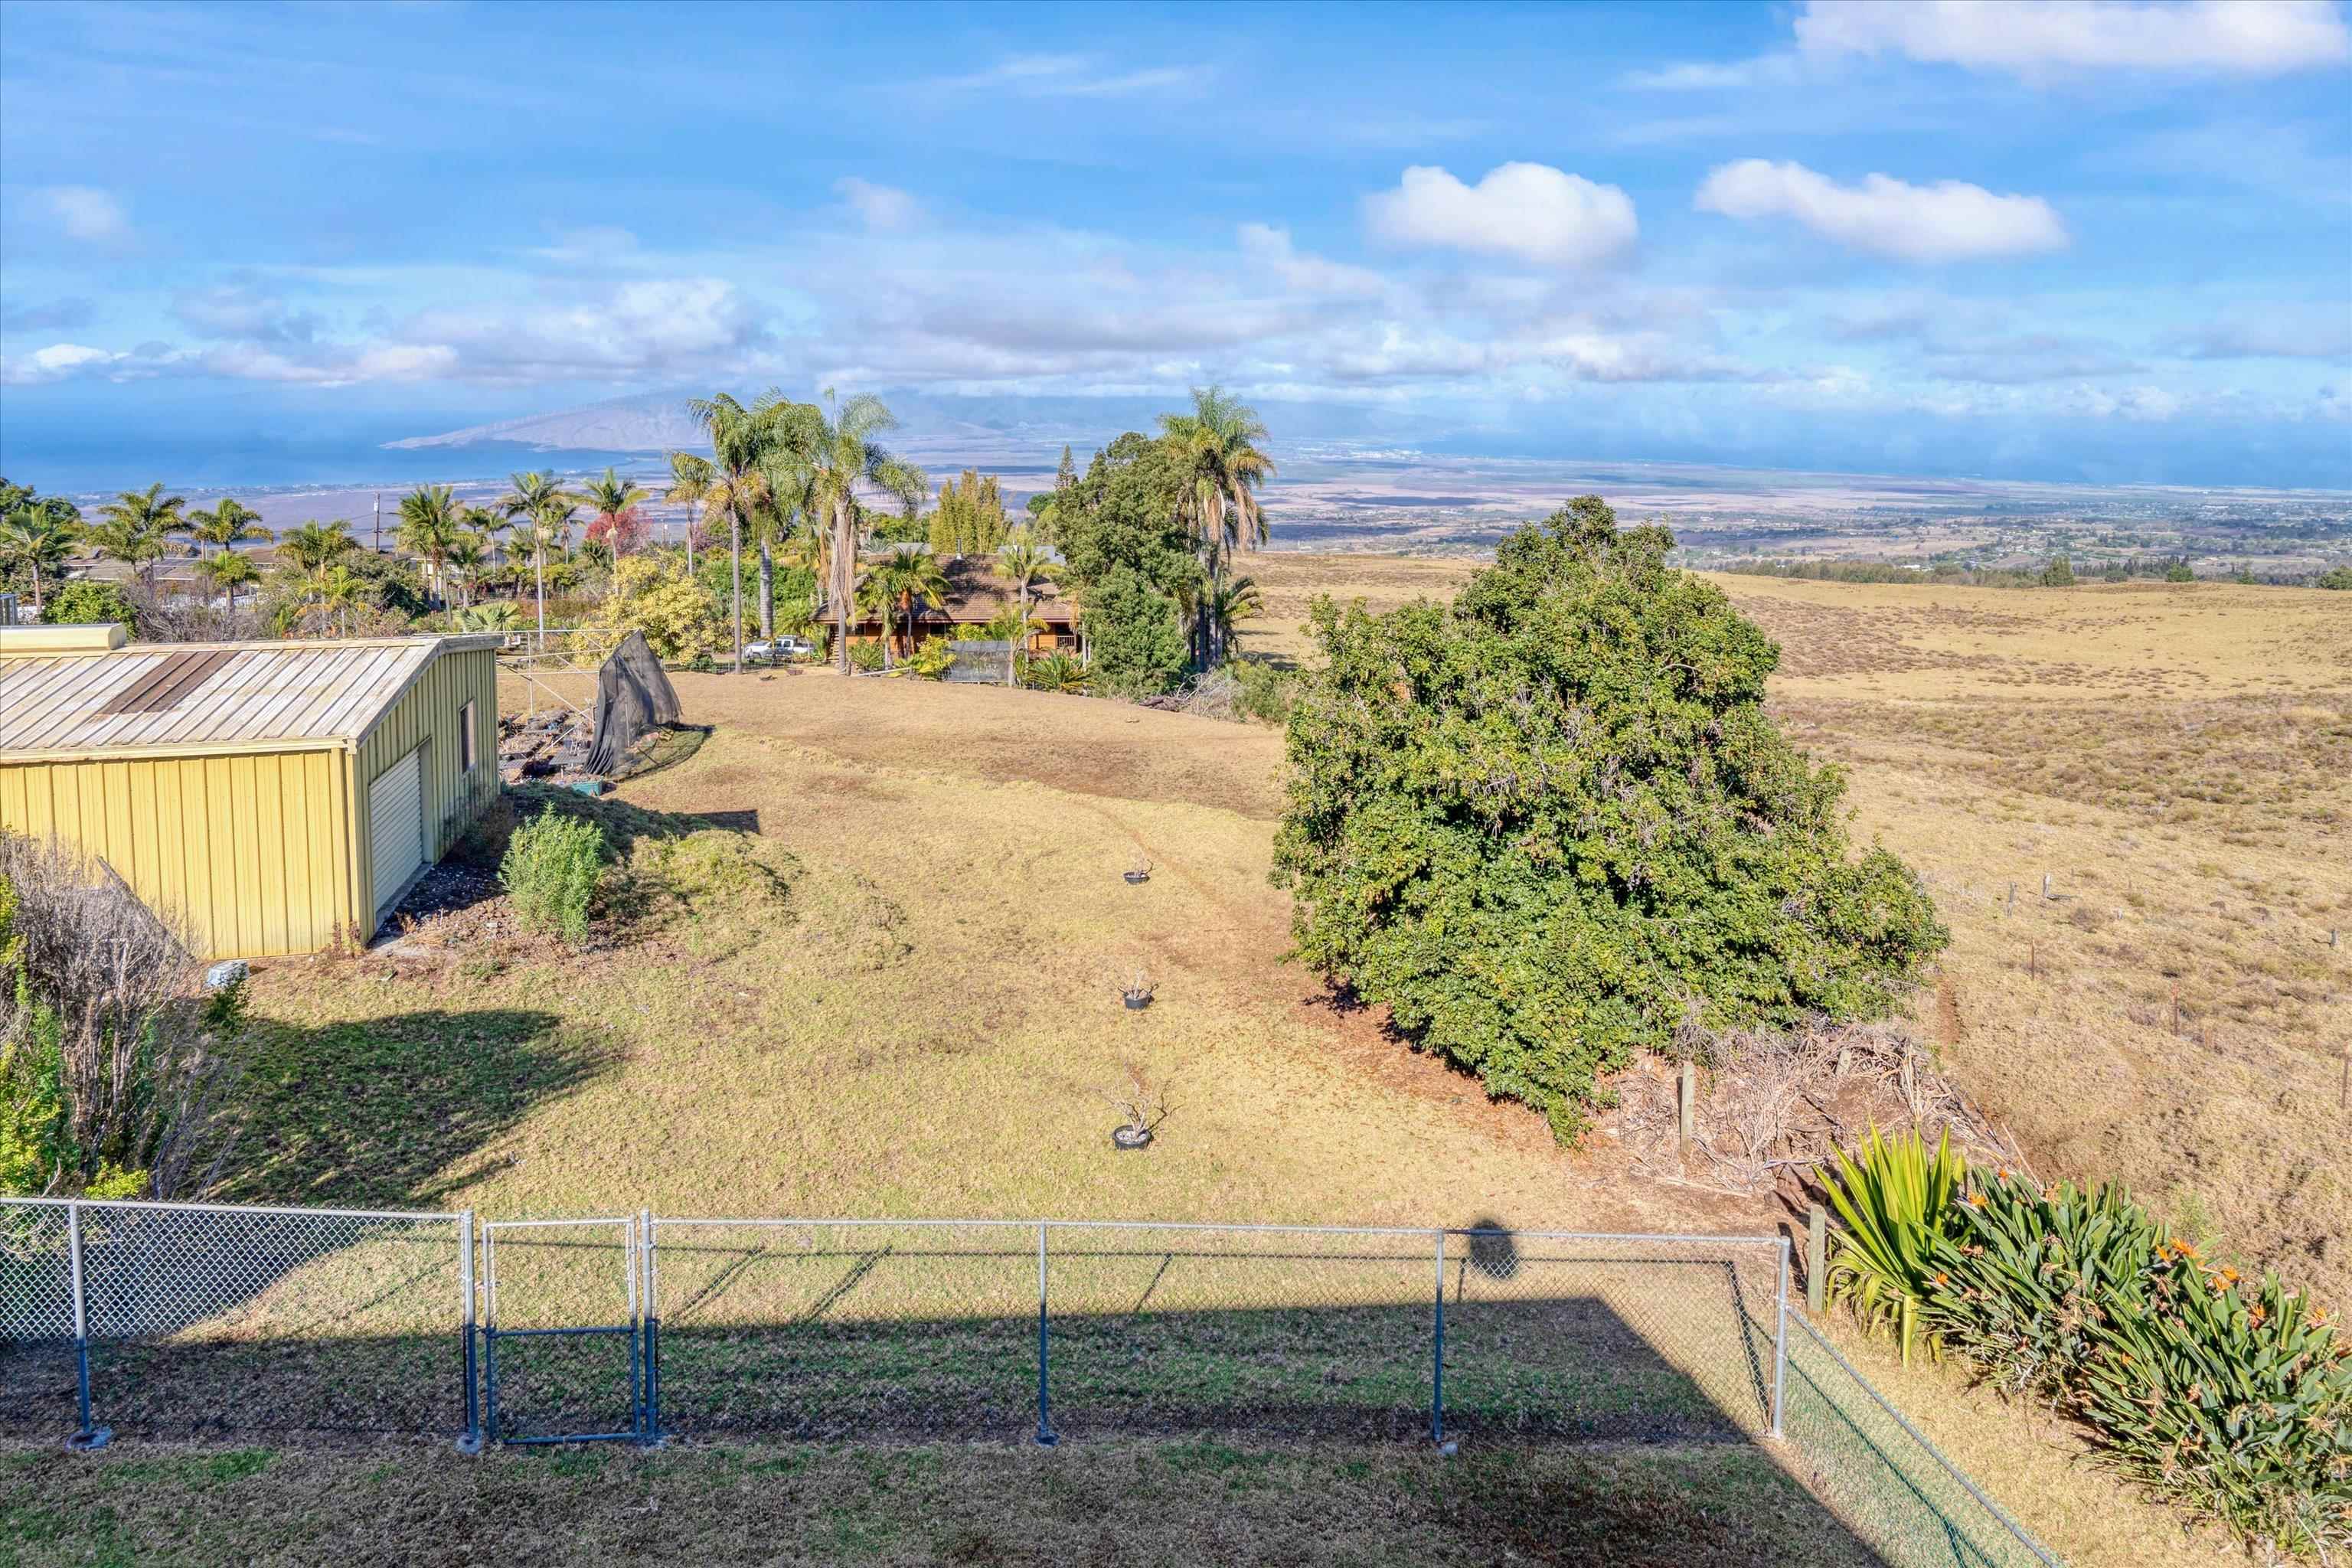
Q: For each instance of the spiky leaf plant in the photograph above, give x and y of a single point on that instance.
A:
(1894, 1200)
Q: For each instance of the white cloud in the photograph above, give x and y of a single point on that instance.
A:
(1073, 75)
(87, 214)
(1530, 211)
(59, 361)
(2252, 38)
(878, 207)
(1271, 248)
(1947, 221)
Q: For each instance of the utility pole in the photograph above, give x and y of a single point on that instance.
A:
(378, 546)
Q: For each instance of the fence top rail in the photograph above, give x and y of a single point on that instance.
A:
(451, 1217)
(1423, 1232)
(541, 1224)
(1920, 1438)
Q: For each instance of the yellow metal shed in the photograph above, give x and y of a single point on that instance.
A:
(279, 797)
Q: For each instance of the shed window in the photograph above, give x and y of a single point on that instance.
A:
(466, 739)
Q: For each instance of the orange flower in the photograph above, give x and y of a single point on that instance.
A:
(1942, 1278)
(1975, 1200)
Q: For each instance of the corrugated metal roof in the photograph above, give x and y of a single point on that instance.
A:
(267, 694)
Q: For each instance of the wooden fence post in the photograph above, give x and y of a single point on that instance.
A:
(1689, 1109)
(1816, 1254)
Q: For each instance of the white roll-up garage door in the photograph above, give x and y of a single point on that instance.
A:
(396, 825)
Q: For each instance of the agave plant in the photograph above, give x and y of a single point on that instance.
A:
(1894, 1201)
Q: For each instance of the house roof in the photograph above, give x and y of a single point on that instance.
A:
(257, 696)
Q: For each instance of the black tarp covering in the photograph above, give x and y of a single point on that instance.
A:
(632, 696)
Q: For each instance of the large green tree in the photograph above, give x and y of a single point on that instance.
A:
(1550, 825)
(1128, 558)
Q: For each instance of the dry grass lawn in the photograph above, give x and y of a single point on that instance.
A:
(925, 1022)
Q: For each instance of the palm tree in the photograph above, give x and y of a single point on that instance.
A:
(686, 475)
(549, 524)
(135, 527)
(335, 592)
(1215, 451)
(908, 574)
(529, 496)
(465, 555)
(844, 454)
(613, 500)
(226, 524)
(1025, 561)
(35, 540)
(226, 572)
(1228, 604)
(314, 544)
(428, 526)
(732, 483)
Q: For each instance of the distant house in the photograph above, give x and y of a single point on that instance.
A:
(976, 595)
(278, 797)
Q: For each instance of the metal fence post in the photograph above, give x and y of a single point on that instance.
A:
(1780, 1338)
(85, 1435)
(1046, 1437)
(469, 1441)
(1437, 1355)
(490, 1334)
(652, 1379)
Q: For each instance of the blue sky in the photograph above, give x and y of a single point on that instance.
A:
(2110, 241)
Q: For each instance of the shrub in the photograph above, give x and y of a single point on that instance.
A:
(2021, 1272)
(866, 656)
(82, 603)
(2058, 573)
(2337, 577)
(1894, 1201)
(1265, 693)
(654, 596)
(549, 872)
(2179, 571)
(2231, 1398)
(931, 660)
(1551, 824)
(109, 1083)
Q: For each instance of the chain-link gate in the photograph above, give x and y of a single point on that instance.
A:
(564, 1342)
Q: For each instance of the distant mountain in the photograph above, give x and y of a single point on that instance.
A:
(655, 423)
(658, 422)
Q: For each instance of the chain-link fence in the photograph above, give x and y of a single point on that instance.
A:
(178, 1319)
(1890, 1487)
